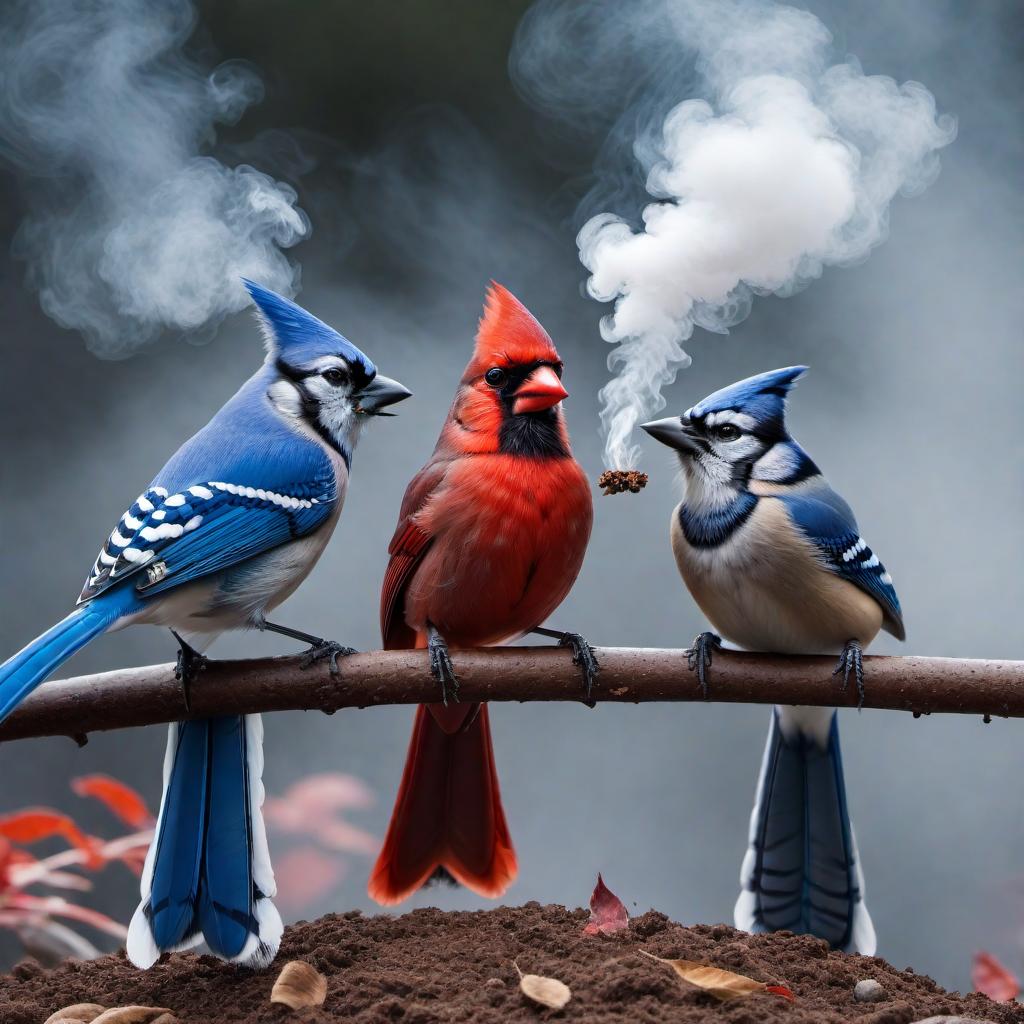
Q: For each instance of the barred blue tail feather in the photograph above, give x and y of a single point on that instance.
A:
(179, 839)
(24, 671)
(802, 872)
(208, 875)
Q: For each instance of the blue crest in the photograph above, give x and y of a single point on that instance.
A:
(299, 336)
(762, 396)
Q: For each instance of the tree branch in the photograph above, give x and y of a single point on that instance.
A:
(145, 696)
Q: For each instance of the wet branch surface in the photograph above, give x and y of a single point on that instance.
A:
(149, 695)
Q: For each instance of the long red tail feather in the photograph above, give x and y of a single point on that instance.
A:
(448, 812)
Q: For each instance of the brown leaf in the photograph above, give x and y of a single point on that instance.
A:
(548, 992)
(721, 984)
(132, 1015)
(85, 1012)
(607, 912)
(299, 984)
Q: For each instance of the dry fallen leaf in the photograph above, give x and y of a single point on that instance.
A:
(134, 1015)
(721, 984)
(607, 912)
(548, 992)
(299, 984)
(992, 979)
(84, 1012)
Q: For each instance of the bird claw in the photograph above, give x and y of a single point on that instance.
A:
(442, 669)
(698, 657)
(582, 655)
(187, 668)
(851, 660)
(326, 649)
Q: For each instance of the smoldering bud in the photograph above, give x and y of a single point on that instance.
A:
(618, 481)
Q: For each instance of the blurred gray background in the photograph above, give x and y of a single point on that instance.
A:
(424, 176)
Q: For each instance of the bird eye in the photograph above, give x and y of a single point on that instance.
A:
(336, 378)
(559, 367)
(727, 432)
(495, 376)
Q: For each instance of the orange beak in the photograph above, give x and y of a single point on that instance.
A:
(541, 390)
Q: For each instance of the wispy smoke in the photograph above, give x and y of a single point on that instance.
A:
(785, 164)
(132, 228)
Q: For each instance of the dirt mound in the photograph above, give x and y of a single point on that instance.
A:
(432, 966)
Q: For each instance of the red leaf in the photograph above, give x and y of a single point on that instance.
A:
(992, 979)
(607, 911)
(6, 858)
(781, 990)
(40, 823)
(304, 875)
(118, 798)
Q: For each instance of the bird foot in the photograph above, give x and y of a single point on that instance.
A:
(852, 660)
(442, 669)
(698, 657)
(582, 655)
(187, 668)
(321, 649)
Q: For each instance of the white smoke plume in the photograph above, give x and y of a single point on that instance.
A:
(770, 164)
(132, 226)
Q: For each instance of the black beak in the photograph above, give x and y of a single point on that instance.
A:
(673, 432)
(379, 393)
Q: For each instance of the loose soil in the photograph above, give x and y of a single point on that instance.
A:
(431, 966)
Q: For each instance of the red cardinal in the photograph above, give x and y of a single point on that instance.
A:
(490, 539)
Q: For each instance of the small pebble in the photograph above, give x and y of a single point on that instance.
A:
(868, 991)
(954, 1019)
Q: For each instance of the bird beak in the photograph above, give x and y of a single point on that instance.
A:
(380, 392)
(541, 390)
(673, 432)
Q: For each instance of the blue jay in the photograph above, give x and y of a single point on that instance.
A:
(773, 557)
(225, 532)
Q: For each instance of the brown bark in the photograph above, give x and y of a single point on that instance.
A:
(144, 696)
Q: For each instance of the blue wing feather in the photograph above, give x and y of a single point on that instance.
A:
(216, 504)
(827, 521)
(176, 543)
(233, 537)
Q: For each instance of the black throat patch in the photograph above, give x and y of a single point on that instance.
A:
(533, 435)
(530, 434)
